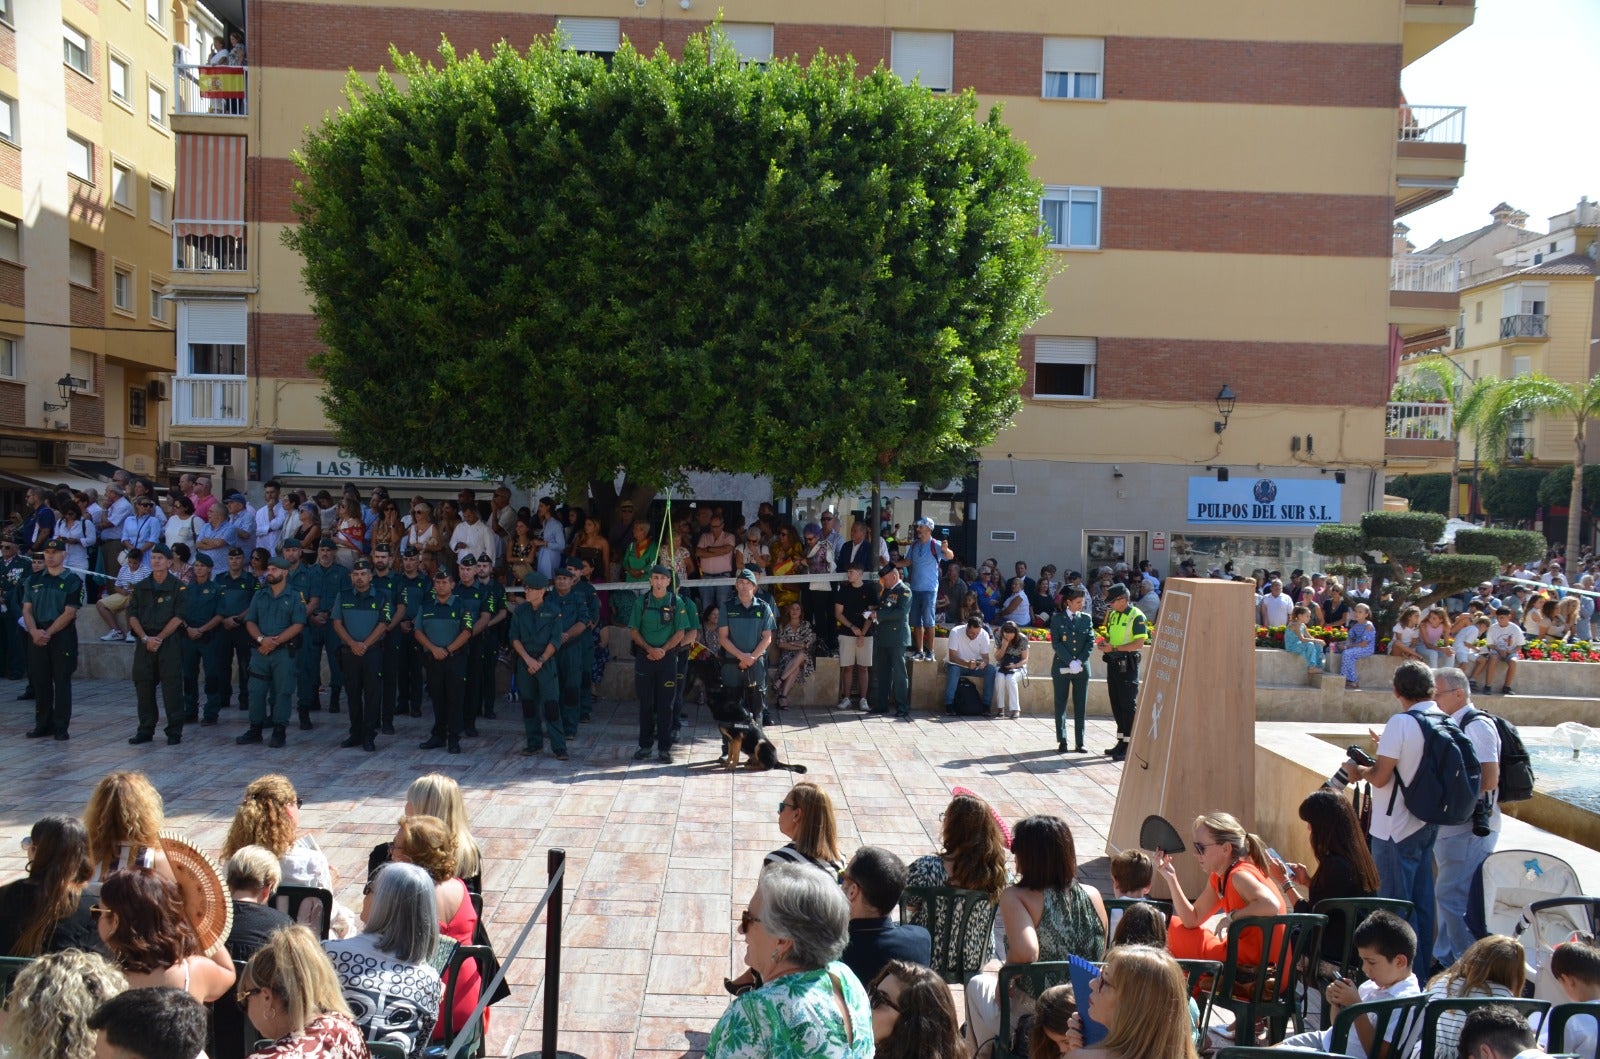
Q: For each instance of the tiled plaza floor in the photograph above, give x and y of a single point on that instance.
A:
(661, 859)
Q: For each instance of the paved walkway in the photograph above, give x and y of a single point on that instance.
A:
(661, 859)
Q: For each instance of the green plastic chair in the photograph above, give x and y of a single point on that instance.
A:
(1269, 991)
(477, 1046)
(1121, 904)
(10, 967)
(385, 1050)
(961, 923)
(1438, 1006)
(1203, 976)
(1345, 914)
(1399, 1023)
(1562, 1014)
(1032, 979)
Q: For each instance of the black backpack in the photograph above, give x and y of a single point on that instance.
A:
(968, 700)
(1444, 789)
(1516, 767)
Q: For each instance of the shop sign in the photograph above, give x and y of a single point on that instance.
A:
(1264, 501)
(330, 461)
(95, 450)
(1158, 542)
(17, 449)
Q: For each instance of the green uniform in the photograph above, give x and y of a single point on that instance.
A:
(272, 614)
(414, 592)
(693, 608)
(476, 596)
(361, 614)
(655, 681)
(569, 658)
(493, 594)
(746, 625)
(13, 575)
(236, 643)
(440, 624)
(889, 642)
(591, 617)
(536, 630)
(390, 584)
(1072, 640)
(326, 584)
(201, 604)
(50, 668)
(152, 607)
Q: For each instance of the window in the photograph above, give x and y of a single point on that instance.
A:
(122, 185)
(929, 57)
(153, 12)
(1477, 313)
(1072, 217)
(158, 303)
(75, 50)
(122, 290)
(8, 118)
(160, 195)
(1063, 368)
(10, 238)
(1521, 366)
(83, 371)
(156, 100)
(1073, 67)
(138, 414)
(80, 158)
(752, 42)
(80, 265)
(5, 11)
(213, 358)
(593, 36)
(118, 72)
(8, 358)
(211, 337)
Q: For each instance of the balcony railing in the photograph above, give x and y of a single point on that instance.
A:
(1418, 421)
(207, 89)
(1519, 448)
(209, 246)
(1426, 273)
(1525, 325)
(209, 401)
(1433, 124)
(1461, 337)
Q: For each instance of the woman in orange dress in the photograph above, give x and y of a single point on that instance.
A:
(1238, 887)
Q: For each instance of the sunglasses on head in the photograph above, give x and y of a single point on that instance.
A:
(96, 911)
(877, 998)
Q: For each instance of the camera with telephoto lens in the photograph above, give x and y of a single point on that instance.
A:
(1480, 817)
(1341, 779)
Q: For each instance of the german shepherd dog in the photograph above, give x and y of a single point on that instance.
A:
(742, 731)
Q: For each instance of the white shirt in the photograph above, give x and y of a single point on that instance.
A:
(473, 538)
(964, 648)
(1485, 738)
(1369, 991)
(269, 526)
(1275, 609)
(1506, 636)
(1402, 741)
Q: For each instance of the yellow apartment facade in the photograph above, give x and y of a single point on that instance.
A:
(1221, 185)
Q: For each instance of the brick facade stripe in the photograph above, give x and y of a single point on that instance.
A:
(8, 47)
(83, 94)
(88, 413)
(13, 403)
(1246, 222)
(281, 343)
(1231, 71)
(11, 166)
(1267, 373)
(12, 288)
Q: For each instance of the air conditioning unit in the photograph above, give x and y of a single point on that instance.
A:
(172, 451)
(155, 391)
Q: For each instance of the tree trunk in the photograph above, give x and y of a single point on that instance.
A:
(1454, 507)
(1575, 503)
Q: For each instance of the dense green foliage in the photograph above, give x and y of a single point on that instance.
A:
(555, 270)
(1556, 489)
(1511, 494)
(1427, 492)
(1395, 549)
(1507, 545)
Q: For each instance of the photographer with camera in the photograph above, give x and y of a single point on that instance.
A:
(1462, 847)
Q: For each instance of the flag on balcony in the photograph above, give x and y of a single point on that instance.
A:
(1397, 346)
(221, 82)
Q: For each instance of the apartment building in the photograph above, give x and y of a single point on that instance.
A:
(86, 186)
(1213, 374)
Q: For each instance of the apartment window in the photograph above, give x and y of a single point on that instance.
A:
(160, 307)
(156, 100)
(5, 11)
(1072, 217)
(138, 410)
(592, 36)
(1063, 368)
(8, 358)
(160, 197)
(928, 57)
(1477, 312)
(8, 118)
(122, 185)
(1073, 67)
(153, 12)
(10, 238)
(122, 290)
(753, 42)
(80, 158)
(83, 371)
(80, 265)
(75, 50)
(1521, 366)
(119, 72)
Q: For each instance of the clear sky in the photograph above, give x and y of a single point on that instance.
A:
(1526, 72)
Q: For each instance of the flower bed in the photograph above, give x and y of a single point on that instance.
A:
(1533, 650)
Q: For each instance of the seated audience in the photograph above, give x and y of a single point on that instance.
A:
(290, 993)
(124, 818)
(873, 882)
(47, 1011)
(1498, 1032)
(1145, 924)
(424, 841)
(809, 1004)
(912, 1014)
(252, 874)
(437, 795)
(972, 856)
(1237, 887)
(157, 1022)
(1132, 873)
(1344, 864)
(386, 971)
(968, 654)
(1141, 997)
(48, 911)
(1576, 967)
(269, 816)
(1387, 945)
(805, 817)
(142, 925)
(1492, 966)
(1052, 1021)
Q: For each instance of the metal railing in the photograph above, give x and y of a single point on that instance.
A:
(209, 246)
(1418, 421)
(209, 401)
(1461, 337)
(1433, 124)
(206, 88)
(1519, 448)
(1525, 325)
(1426, 273)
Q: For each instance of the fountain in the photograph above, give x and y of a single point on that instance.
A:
(1576, 735)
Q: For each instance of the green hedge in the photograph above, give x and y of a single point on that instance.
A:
(1506, 545)
(1337, 539)
(1427, 492)
(1512, 493)
(1556, 489)
(1422, 526)
(1452, 572)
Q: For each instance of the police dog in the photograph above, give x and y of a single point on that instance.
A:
(743, 732)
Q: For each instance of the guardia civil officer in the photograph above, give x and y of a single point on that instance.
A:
(443, 629)
(582, 570)
(386, 579)
(361, 617)
(569, 656)
(890, 639)
(493, 636)
(276, 618)
(535, 638)
(14, 572)
(155, 616)
(415, 588)
(49, 612)
(327, 579)
(657, 625)
(235, 588)
(1072, 642)
(745, 626)
(1126, 633)
(476, 596)
(202, 642)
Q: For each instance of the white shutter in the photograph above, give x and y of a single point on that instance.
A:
(929, 56)
(219, 322)
(1064, 350)
(753, 42)
(1082, 54)
(590, 34)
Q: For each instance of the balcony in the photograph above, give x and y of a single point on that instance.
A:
(1432, 154)
(1429, 23)
(1519, 449)
(1461, 337)
(210, 401)
(1422, 294)
(211, 91)
(209, 246)
(1524, 325)
(1418, 430)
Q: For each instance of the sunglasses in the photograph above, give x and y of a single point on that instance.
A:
(745, 919)
(245, 994)
(784, 805)
(1201, 847)
(879, 999)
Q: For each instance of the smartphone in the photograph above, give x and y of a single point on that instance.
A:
(945, 532)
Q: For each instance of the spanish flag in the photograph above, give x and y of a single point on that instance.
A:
(221, 82)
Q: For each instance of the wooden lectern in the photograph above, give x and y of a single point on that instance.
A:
(1193, 748)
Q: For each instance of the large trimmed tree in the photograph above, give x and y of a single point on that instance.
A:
(561, 270)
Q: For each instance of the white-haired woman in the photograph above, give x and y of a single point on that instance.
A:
(386, 971)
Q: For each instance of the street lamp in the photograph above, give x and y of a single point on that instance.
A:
(1225, 402)
(66, 386)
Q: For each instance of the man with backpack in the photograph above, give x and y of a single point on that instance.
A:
(1426, 775)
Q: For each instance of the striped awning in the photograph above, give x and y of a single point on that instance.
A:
(210, 185)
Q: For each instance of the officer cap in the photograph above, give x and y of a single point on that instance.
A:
(484, 560)
(467, 560)
(664, 571)
(746, 574)
(161, 549)
(888, 568)
(363, 563)
(236, 498)
(534, 579)
(562, 571)
(1116, 591)
(205, 560)
(574, 564)
(55, 544)
(441, 574)
(279, 563)
(382, 548)
(328, 544)
(290, 542)
(408, 552)
(235, 551)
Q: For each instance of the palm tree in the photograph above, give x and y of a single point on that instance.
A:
(1467, 398)
(1541, 395)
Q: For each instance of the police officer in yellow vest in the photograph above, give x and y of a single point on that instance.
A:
(1126, 633)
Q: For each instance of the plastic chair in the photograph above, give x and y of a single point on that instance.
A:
(1203, 976)
(961, 923)
(289, 899)
(1562, 1014)
(1268, 991)
(1345, 914)
(386, 1050)
(477, 1046)
(10, 967)
(1273, 1053)
(1438, 1006)
(1398, 1023)
(1032, 979)
(1121, 904)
